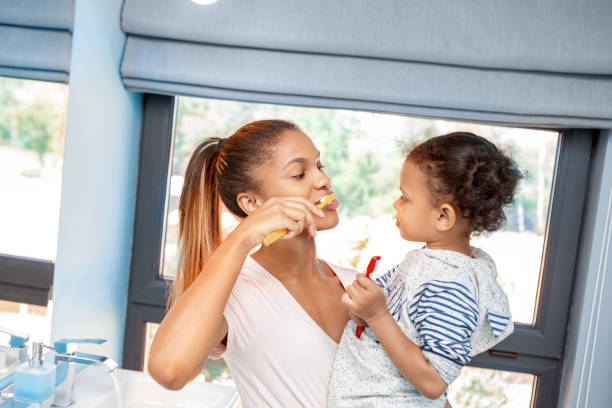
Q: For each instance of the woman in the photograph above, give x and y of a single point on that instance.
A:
(281, 315)
(278, 311)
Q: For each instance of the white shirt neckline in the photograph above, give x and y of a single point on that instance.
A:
(334, 268)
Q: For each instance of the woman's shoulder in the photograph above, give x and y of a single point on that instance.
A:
(252, 277)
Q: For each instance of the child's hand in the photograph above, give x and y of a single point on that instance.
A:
(357, 319)
(365, 299)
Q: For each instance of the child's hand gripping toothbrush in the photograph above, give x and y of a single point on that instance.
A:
(369, 270)
(278, 234)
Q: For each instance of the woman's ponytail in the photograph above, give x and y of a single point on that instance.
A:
(199, 216)
(219, 169)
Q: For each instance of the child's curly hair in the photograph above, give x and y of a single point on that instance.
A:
(470, 173)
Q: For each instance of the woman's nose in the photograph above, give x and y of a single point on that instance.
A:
(396, 204)
(322, 181)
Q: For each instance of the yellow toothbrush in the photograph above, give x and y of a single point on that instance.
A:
(278, 234)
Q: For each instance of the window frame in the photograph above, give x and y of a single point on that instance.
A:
(26, 279)
(536, 349)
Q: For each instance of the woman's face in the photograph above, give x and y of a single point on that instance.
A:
(295, 169)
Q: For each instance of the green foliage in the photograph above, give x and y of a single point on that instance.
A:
(365, 182)
(8, 101)
(34, 129)
(484, 388)
(31, 115)
(198, 120)
(358, 178)
(214, 369)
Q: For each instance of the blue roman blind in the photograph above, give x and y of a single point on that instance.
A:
(36, 39)
(526, 62)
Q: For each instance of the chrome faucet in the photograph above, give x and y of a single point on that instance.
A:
(13, 353)
(15, 349)
(66, 359)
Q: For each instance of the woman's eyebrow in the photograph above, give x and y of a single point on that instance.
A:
(300, 160)
(296, 160)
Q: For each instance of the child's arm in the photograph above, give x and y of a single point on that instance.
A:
(408, 357)
(366, 300)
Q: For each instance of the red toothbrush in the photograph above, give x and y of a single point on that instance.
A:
(369, 270)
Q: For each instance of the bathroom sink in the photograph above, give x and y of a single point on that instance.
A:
(94, 389)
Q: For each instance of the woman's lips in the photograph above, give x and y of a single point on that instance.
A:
(332, 206)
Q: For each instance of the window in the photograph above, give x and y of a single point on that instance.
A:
(32, 117)
(31, 152)
(25, 318)
(481, 387)
(362, 154)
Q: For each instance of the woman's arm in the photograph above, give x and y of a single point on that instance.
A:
(195, 323)
(366, 300)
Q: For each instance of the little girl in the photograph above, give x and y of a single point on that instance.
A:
(442, 304)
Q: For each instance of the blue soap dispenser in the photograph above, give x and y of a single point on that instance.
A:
(35, 379)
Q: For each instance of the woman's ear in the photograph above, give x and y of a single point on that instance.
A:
(248, 202)
(446, 217)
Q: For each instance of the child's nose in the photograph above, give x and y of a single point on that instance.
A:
(396, 204)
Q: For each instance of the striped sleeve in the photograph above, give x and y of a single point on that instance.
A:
(383, 280)
(498, 323)
(445, 315)
(393, 287)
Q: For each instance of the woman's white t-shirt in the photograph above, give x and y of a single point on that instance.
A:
(277, 354)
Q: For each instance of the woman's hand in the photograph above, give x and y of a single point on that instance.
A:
(365, 299)
(292, 213)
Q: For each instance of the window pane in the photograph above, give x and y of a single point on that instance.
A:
(214, 371)
(30, 319)
(362, 153)
(31, 151)
(480, 387)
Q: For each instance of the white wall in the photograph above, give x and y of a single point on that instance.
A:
(98, 186)
(586, 378)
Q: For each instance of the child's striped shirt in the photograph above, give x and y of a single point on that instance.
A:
(446, 302)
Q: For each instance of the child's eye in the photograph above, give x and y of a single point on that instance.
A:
(320, 166)
(299, 176)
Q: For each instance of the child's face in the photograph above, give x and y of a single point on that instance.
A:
(416, 213)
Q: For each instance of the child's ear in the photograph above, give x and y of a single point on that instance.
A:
(248, 202)
(446, 217)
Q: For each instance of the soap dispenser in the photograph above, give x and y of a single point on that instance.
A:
(35, 379)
